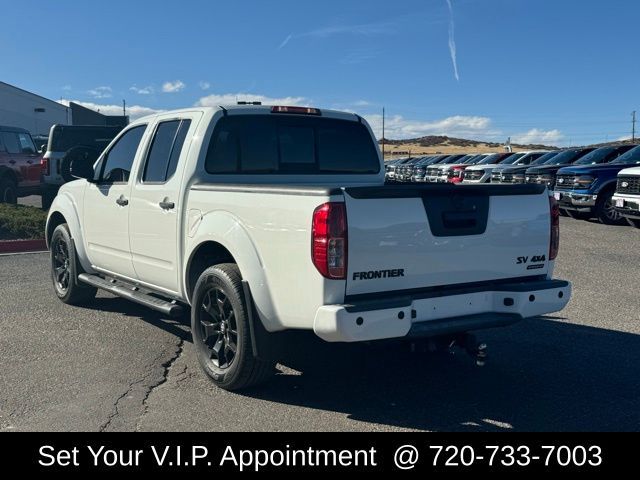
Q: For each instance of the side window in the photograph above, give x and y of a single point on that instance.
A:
(116, 165)
(26, 144)
(164, 153)
(10, 141)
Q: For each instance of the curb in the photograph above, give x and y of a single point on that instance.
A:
(21, 246)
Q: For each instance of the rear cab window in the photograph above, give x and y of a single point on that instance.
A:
(272, 144)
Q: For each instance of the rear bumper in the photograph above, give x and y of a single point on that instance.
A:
(441, 312)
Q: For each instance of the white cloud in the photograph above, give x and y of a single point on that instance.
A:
(100, 92)
(67, 88)
(173, 87)
(452, 41)
(367, 29)
(361, 103)
(233, 98)
(536, 135)
(134, 111)
(397, 127)
(148, 90)
(204, 85)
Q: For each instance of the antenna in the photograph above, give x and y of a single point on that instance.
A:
(124, 108)
(383, 134)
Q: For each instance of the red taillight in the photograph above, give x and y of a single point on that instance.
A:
(298, 110)
(554, 242)
(329, 240)
(44, 165)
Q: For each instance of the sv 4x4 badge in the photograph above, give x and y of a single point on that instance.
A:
(535, 261)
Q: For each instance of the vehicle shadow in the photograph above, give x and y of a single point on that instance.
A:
(175, 326)
(541, 375)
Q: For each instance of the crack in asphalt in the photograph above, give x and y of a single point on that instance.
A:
(166, 370)
(118, 409)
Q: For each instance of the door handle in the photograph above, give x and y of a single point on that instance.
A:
(166, 204)
(12, 162)
(123, 202)
(30, 162)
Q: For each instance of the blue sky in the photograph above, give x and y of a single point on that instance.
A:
(553, 71)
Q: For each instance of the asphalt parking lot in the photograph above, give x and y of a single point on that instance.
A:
(118, 366)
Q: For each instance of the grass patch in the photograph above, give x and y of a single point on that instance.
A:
(20, 222)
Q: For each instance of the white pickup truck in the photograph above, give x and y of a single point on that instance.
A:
(627, 196)
(265, 219)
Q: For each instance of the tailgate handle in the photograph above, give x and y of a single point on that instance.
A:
(455, 220)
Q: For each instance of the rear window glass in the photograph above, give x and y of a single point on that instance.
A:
(66, 137)
(264, 144)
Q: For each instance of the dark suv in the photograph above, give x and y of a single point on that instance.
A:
(546, 174)
(19, 165)
(586, 188)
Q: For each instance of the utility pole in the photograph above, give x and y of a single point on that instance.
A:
(633, 126)
(124, 108)
(383, 134)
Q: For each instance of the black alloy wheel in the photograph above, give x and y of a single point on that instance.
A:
(61, 264)
(218, 327)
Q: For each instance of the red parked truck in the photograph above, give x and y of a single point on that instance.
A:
(19, 165)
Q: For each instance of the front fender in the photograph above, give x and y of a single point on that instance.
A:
(605, 183)
(224, 228)
(65, 205)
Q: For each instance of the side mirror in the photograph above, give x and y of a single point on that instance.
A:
(43, 149)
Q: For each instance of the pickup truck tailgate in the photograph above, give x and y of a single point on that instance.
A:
(412, 237)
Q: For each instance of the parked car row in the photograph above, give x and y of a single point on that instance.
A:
(26, 169)
(587, 182)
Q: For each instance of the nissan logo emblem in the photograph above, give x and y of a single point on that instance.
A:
(625, 184)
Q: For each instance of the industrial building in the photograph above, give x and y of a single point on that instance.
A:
(20, 108)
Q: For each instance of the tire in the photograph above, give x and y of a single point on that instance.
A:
(8, 191)
(606, 211)
(65, 269)
(219, 323)
(47, 198)
(563, 213)
(634, 222)
(579, 215)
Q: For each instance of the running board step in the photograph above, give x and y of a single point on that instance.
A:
(130, 292)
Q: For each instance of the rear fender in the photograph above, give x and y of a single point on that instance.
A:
(227, 230)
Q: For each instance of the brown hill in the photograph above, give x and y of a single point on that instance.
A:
(433, 144)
